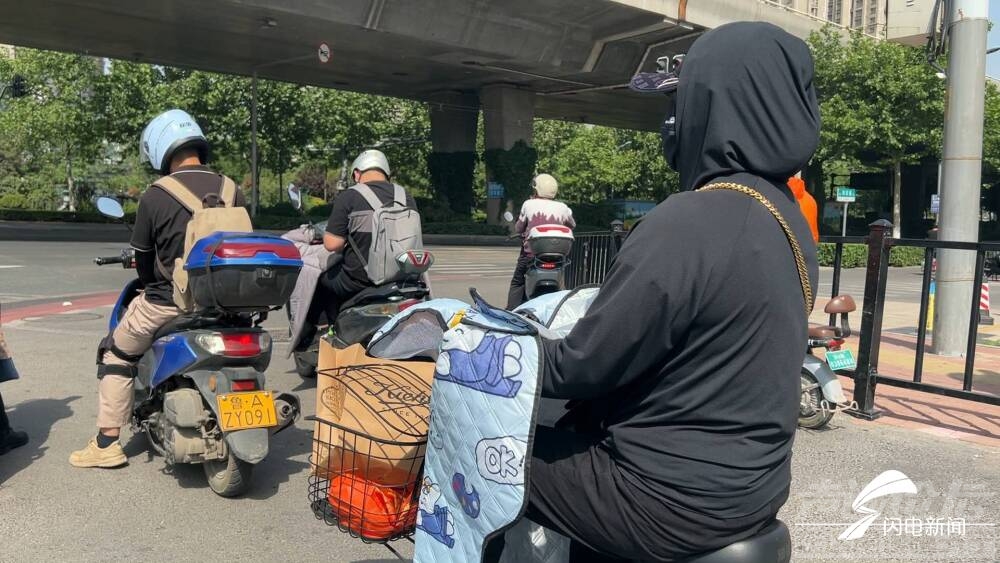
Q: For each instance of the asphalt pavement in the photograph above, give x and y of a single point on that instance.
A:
(147, 512)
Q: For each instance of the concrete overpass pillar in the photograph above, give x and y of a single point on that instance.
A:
(452, 164)
(508, 116)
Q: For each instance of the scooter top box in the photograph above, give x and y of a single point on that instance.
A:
(550, 239)
(243, 249)
(242, 271)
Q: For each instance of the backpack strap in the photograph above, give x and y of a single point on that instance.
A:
(227, 193)
(164, 271)
(179, 192)
(369, 195)
(399, 195)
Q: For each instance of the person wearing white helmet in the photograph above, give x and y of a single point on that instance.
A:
(541, 209)
(348, 277)
(173, 144)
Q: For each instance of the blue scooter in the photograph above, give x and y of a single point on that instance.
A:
(200, 394)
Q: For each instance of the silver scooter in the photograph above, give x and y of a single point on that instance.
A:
(822, 394)
(550, 245)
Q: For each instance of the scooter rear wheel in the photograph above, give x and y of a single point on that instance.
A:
(228, 477)
(811, 412)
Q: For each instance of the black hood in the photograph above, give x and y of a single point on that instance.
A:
(745, 102)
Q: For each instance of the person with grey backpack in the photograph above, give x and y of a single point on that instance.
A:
(370, 225)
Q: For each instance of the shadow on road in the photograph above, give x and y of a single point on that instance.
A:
(36, 417)
(277, 468)
(306, 383)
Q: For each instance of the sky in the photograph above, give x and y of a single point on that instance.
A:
(993, 61)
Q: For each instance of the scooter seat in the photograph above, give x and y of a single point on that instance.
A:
(839, 305)
(820, 332)
(382, 293)
(186, 321)
(772, 545)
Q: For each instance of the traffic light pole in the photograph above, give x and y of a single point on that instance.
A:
(961, 171)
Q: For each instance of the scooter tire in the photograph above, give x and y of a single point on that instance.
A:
(228, 477)
(811, 413)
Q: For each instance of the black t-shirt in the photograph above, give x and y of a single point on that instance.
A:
(347, 203)
(161, 224)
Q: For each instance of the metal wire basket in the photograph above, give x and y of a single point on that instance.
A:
(367, 465)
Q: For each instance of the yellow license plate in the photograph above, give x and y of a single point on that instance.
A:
(239, 411)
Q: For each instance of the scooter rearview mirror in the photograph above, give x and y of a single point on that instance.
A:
(508, 217)
(295, 196)
(110, 208)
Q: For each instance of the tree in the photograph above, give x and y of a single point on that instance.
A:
(595, 163)
(62, 118)
(880, 103)
(991, 128)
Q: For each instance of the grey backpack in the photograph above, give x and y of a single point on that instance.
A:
(395, 229)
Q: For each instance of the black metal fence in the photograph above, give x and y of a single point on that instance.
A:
(866, 375)
(591, 258)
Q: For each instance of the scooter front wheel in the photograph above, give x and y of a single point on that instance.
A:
(811, 412)
(228, 477)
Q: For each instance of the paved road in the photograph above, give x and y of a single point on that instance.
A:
(50, 511)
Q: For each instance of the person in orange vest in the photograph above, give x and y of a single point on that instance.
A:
(807, 204)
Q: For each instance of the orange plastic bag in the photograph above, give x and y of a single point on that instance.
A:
(370, 510)
(807, 204)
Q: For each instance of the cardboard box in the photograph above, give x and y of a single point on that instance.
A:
(373, 416)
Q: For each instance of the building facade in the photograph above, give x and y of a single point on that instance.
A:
(866, 16)
(905, 21)
(909, 21)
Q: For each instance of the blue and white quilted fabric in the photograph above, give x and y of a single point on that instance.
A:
(484, 401)
(482, 410)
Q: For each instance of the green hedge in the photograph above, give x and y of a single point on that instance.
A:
(57, 216)
(262, 221)
(856, 256)
(278, 222)
(464, 228)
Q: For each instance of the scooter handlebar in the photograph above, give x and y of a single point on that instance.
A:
(105, 260)
(126, 259)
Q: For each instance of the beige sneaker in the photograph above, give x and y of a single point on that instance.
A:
(92, 456)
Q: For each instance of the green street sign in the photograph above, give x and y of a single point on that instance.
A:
(847, 195)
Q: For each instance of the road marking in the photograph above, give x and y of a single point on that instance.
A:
(10, 266)
(55, 306)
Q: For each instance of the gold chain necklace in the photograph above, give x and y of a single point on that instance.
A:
(800, 261)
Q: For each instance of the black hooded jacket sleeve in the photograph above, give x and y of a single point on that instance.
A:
(689, 357)
(635, 320)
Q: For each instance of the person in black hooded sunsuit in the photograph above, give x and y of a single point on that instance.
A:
(683, 375)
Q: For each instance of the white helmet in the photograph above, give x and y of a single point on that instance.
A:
(371, 159)
(167, 133)
(545, 186)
